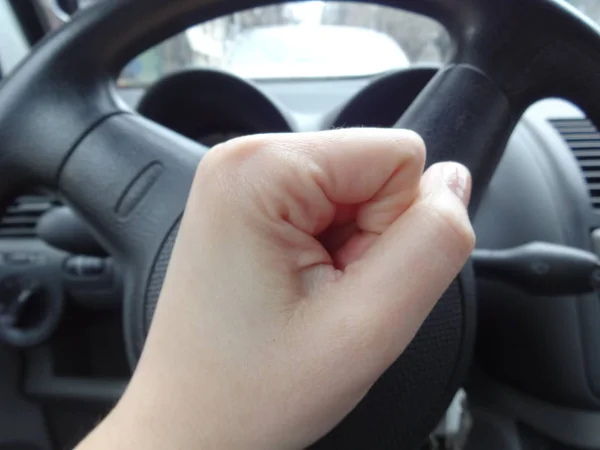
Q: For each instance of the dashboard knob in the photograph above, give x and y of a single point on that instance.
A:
(16, 294)
(30, 310)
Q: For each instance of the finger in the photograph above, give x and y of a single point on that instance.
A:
(336, 237)
(379, 212)
(391, 289)
(304, 178)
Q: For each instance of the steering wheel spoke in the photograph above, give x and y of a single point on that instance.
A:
(129, 178)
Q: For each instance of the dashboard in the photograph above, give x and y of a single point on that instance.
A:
(210, 106)
(547, 188)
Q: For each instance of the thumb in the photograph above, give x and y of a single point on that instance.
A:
(392, 288)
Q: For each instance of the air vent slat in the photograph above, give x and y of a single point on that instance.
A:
(576, 137)
(35, 199)
(16, 233)
(592, 174)
(583, 155)
(567, 131)
(584, 140)
(29, 208)
(588, 144)
(589, 164)
(21, 217)
(572, 123)
(19, 220)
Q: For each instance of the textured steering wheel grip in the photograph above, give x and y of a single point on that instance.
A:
(459, 113)
(61, 125)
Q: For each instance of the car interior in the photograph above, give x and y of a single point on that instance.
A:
(107, 107)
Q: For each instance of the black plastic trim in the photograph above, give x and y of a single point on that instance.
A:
(570, 426)
(225, 102)
(40, 383)
(21, 421)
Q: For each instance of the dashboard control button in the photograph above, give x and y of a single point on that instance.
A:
(72, 266)
(21, 258)
(93, 267)
(30, 310)
(15, 295)
(85, 266)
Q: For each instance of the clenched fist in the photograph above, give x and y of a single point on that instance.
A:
(304, 266)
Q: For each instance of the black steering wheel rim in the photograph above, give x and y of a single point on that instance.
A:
(62, 125)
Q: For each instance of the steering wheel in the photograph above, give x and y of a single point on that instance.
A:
(62, 125)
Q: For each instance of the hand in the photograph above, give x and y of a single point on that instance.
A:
(304, 266)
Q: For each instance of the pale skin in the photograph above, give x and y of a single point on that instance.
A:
(304, 266)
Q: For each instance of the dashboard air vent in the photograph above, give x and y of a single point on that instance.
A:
(584, 139)
(22, 215)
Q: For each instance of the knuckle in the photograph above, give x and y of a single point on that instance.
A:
(415, 145)
(453, 225)
(222, 174)
(231, 154)
(229, 166)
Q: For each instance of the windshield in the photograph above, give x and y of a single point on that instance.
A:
(312, 39)
(311, 51)
(299, 40)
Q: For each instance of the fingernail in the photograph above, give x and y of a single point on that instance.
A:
(458, 179)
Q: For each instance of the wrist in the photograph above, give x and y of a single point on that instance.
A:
(152, 416)
(118, 432)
